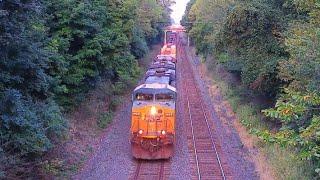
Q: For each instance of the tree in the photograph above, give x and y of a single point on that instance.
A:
(52, 53)
(29, 117)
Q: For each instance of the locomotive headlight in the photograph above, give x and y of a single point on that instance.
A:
(140, 131)
(163, 132)
(153, 111)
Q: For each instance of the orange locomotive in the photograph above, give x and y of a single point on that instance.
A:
(171, 41)
(153, 115)
(170, 50)
(153, 120)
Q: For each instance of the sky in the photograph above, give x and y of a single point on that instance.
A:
(178, 10)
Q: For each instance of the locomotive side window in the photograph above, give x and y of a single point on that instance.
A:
(144, 97)
(165, 97)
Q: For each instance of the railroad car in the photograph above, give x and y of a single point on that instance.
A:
(171, 34)
(159, 72)
(171, 37)
(153, 120)
(165, 58)
(163, 64)
(169, 50)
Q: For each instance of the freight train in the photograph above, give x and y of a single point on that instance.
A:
(153, 115)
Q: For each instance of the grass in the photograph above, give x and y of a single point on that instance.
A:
(286, 164)
(105, 119)
(284, 161)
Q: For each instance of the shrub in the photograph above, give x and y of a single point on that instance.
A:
(105, 119)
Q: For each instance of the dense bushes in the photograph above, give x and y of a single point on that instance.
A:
(274, 45)
(52, 53)
(242, 34)
(29, 117)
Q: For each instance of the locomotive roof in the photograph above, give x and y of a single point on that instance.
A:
(160, 62)
(161, 70)
(163, 56)
(160, 65)
(155, 86)
(158, 80)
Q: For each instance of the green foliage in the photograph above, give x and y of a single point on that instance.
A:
(284, 160)
(301, 70)
(245, 32)
(30, 119)
(274, 45)
(299, 114)
(97, 39)
(105, 119)
(298, 109)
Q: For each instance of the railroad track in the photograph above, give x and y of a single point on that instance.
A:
(156, 170)
(205, 159)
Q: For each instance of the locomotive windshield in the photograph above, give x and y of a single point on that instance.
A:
(165, 97)
(144, 97)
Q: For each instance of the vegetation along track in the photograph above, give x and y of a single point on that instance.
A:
(204, 151)
(151, 170)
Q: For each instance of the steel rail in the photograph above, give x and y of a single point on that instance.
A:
(213, 143)
(192, 129)
(161, 173)
(138, 170)
(209, 130)
(193, 139)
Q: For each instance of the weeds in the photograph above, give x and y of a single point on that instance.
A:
(105, 119)
(114, 103)
(60, 168)
(286, 164)
(54, 166)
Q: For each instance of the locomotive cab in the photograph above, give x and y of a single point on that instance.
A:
(153, 121)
